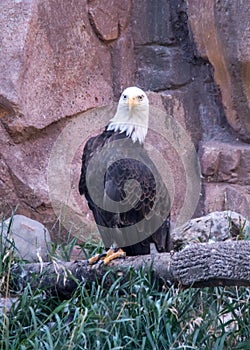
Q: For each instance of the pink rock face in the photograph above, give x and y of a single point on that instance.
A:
(226, 170)
(109, 18)
(57, 66)
(223, 162)
(59, 59)
(221, 33)
(52, 66)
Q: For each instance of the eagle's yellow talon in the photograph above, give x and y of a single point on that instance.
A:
(113, 254)
(105, 258)
(94, 259)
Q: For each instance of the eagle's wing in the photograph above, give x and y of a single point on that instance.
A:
(88, 151)
(143, 203)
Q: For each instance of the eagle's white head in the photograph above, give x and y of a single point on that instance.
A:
(132, 114)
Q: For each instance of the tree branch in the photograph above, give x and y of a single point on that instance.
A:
(198, 265)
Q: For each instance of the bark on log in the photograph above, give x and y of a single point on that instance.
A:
(198, 265)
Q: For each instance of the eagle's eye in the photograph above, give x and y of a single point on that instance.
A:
(140, 98)
(124, 97)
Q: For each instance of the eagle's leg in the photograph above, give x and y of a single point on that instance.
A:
(105, 258)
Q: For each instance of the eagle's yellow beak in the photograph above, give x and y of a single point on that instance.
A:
(131, 103)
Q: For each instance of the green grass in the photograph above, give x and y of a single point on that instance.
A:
(137, 314)
(7, 250)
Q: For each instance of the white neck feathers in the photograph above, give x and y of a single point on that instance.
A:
(134, 123)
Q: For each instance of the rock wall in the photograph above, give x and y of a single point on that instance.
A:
(221, 32)
(59, 59)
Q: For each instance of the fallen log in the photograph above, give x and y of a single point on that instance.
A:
(197, 265)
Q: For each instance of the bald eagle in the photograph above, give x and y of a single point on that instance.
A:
(123, 188)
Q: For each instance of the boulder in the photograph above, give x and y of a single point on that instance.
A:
(29, 239)
(214, 227)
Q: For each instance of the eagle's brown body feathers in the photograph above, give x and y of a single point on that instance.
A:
(121, 160)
